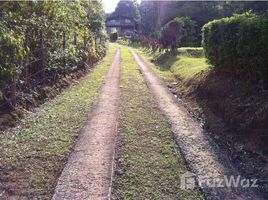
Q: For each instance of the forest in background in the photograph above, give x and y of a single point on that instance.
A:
(151, 16)
(156, 14)
(168, 25)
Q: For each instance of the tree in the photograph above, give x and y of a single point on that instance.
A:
(44, 40)
(128, 9)
(149, 26)
(178, 32)
(190, 37)
(158, 13)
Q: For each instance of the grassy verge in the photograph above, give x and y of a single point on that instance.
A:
(148, 165)
(185, 66)
(33, 153)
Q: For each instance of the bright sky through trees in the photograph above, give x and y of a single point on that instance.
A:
(109, 5)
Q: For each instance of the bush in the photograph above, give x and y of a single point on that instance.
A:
(113, 36)
(238, 43)
(178, 32)
(190, 36)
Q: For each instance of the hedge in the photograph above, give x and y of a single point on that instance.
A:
(239, 43)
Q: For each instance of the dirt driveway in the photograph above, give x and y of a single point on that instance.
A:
(203, 156)
(88, 172)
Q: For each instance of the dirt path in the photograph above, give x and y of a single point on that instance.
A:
(87, 174)
(203, 156)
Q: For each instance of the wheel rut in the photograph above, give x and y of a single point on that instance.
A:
(88, 171)
(202, 155)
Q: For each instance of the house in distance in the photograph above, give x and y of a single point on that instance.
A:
(125, 26)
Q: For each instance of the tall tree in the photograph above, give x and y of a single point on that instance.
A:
(128, 8)
(46, 38)
(149, 25)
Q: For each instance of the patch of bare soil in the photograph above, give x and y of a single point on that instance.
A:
(88, 172)
(202, 154)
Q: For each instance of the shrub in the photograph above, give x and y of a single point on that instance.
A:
(239, 43)
(113, 36)
(189, 38)
(178, 32)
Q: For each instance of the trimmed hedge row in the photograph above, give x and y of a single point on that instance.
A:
(239, 43)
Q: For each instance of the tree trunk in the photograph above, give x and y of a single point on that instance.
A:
(64, 47)
(42, 58)
(1, 10)
(13, 99)
(26, 58)
(85, 42)
(96, 45)
(85, 59)
(75, 39)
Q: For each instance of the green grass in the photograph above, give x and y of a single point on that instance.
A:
(191, 51)
(33, 154)
(148, 164)
(185, 66)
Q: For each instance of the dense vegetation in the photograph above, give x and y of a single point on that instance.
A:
(172, 24)
(238, 43)
(42, 41)
(155, 14)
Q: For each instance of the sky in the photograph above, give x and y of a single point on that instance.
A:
(109, 5)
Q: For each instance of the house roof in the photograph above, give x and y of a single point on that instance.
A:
(116, 17)
(120, 21)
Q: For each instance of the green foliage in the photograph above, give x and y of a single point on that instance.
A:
(238, 43)
(58, 22)
(11, 45)
(178, 32)
(155, 14)
(113, 36)
(189, 38)
(127, 9)
(54, 37)
(149, 25)
(185, 66)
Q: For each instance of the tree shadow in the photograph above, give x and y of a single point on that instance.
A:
(164, 61)
(235, 115)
